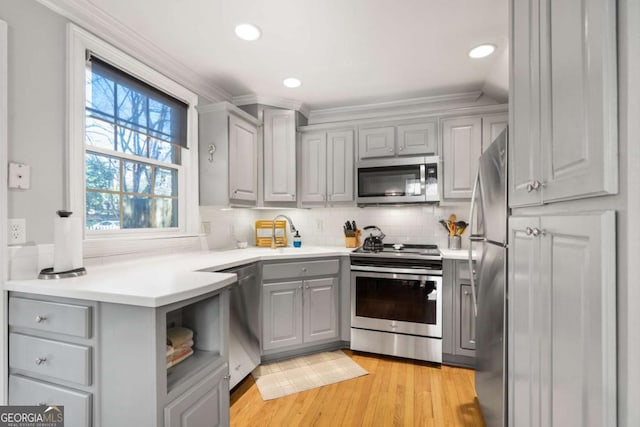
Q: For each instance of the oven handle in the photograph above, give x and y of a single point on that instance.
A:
(398, 273)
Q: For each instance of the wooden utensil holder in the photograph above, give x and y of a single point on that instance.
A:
(352, 242)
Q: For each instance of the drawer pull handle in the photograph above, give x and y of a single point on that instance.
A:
(42, 404)
(226, 377)
(40, 360)
(304, 269)
(40, 319)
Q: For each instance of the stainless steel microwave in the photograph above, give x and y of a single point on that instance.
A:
(408, 180)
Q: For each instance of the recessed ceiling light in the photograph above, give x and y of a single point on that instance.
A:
(292, 82)
(482, 51)
(248, 32)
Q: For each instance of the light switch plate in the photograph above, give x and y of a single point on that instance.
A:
(17, 231)
(19, 176)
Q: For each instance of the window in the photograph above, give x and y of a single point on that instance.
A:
(134, 150)
(134, 134)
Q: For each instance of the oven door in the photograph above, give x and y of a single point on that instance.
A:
(400, 303)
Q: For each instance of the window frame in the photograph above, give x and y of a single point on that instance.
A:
(78, 42)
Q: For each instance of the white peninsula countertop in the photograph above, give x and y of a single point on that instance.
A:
(157, 281)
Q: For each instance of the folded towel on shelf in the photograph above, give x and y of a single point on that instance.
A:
(171, 349)
(178, 336)
(179, 357)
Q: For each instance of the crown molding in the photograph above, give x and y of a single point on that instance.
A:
(274, 101)
(422, 105)
(95, 20)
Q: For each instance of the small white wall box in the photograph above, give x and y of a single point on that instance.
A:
(19, 176)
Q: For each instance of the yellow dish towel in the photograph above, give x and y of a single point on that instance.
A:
(178, 336)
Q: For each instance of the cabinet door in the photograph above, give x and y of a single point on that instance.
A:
(243, 160)
(417, 139)
(320, 309)
(492, 126)
(281, 314)
(579, 99)
(340, 166)
(279, 156)
(579, 345)
(467, 319)
(314, 167)
(461, 149)
(524, 104)
(376, 142)
(525, 313)
(205, 404)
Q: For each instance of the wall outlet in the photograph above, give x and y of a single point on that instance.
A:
(17, 231)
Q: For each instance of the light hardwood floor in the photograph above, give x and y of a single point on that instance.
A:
(397, 392)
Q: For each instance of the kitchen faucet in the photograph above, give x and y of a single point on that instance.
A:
(273, 231)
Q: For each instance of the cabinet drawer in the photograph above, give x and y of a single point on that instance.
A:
(55, 359)
(300, 269)
(69, 319)
(77, 404)
(462, 270)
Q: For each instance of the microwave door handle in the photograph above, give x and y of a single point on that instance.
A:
(423, 179)
(473, 238)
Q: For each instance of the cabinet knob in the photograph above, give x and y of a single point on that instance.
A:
(40, 360)
(528, 231)
(40, 319)
(226, 377)
(534, 185)
(537, 232)
(304, 269)
(391, 150)
(212, 149)
(306, 287)
(237, 368)
(401, 148)
(466, 293)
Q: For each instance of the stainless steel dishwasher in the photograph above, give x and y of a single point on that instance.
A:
(244, 338)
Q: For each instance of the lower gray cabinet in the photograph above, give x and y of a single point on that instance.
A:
(303, 309)
(282, 314)
(28, 391)
(459, 321)
(206, 403)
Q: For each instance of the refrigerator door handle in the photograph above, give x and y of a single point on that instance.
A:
(473, 238)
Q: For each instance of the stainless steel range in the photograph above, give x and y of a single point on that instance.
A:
(396, 301)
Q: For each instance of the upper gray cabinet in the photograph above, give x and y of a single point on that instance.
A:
(243, 160)
(228, 156)
(417, 139)
(279, 155)
(563, 100)
(492, 126)
(461, 149)
(327, 167)
(411, 139)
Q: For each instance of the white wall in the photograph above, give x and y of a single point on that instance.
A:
(323, 226)
(37, 50)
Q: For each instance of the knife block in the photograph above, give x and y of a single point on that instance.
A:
(352, 242)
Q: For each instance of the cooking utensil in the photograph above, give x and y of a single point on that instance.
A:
(373, 243)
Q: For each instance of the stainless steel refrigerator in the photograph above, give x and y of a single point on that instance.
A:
(488, 244)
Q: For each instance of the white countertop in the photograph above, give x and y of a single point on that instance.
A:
(455, 253)
(157, 281)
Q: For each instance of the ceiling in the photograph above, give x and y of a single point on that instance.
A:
(346, 52)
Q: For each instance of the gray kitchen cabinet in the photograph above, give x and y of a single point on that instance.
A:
(52, 342)
(282, 314)
(243, 160)
(492, 126)
(564, 101)
(279, 155)
(228, 156)
(467, 319)
(206, 404)
(299, 304)
(327, 167)
(461, 149)
(376, 142)
(562, 320)
(320, 309)
(417, 139)
(459, 321)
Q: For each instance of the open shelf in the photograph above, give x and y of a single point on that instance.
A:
(192, 365)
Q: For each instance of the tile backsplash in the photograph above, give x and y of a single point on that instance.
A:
(323, 226)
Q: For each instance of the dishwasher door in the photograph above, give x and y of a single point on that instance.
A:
(244, 337)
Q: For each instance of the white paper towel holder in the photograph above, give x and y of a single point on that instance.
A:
(49, 274)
